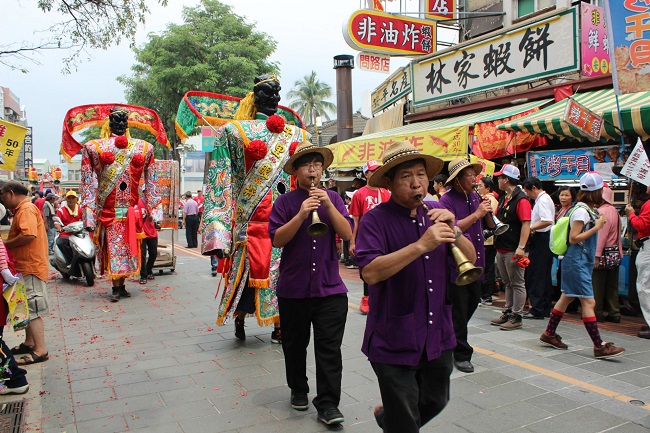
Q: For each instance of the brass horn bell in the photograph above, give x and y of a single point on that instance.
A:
(500, 228)
(467, 272)
(317, 228)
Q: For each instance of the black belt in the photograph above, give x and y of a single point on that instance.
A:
(639, 242)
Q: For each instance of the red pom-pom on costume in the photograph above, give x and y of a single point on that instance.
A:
(107, 158)
(121, 142)
(292, 148)
(137, 161)
(256, 150)
(275, 124)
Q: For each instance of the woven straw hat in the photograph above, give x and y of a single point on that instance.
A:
(459, 164)
(399, 152)
(304, 148)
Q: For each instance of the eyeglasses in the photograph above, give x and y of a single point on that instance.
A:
(313, 166)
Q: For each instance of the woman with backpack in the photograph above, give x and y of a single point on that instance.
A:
(577, 267)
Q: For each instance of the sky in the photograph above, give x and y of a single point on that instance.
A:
(309, 35)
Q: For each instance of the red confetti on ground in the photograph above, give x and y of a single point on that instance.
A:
(244, 394)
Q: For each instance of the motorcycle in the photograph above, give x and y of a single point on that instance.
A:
(83, 254)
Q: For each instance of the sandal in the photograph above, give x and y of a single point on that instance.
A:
(151, 277)
(22, 349)
(32, 359)
(143, 281)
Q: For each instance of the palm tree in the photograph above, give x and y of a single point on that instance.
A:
(308, 98)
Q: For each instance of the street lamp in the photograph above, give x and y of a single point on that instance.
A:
(319, 126)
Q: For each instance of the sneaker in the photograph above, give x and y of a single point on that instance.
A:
(115, 295)
(514, 322)
(214, 273)
(503, 318)
(486, 301)
(239, 329)
(299, 401)
(276, 336)
(554, 341)
(123, 293)
(608, 350)
(379, 416)
(330, 415)
(352, 266)
(5, 390)
(364, 308)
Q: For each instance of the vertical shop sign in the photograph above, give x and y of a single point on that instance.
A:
(595, 43)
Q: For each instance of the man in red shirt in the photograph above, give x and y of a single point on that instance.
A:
(641, 223)
(40, 201)
(363, 200)
(69, 212)
(149, 243)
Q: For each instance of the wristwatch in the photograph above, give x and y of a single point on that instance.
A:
(459, 233)
(520, 247)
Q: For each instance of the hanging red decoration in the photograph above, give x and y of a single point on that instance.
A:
(292, 148)
(137, 161)
(107, 158)
(275, 124)
(121, 142)
(256, 150)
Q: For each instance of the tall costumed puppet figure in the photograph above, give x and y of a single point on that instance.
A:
(245, 177)
(112, 168)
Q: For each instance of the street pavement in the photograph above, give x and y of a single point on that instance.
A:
(157, 363)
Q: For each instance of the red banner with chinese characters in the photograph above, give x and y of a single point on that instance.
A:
(380, 32)
(583, 119)
(441, 9)
(490, 142)
(88, 116)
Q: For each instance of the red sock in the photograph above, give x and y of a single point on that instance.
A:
(592, 328)
(556, 316)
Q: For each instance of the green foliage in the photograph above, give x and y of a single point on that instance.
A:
(309, 98)
(85, 24)
(213, 50)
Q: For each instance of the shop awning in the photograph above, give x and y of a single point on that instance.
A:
(444, 138)
(635, 112)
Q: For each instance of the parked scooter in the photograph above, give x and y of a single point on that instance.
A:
(83, 254)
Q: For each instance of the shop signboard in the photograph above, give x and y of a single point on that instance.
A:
(392, 90)
(595, 46)
(446, 143)
(380, 32)
(570, 164)
(374, 62)
(515, 55)
(12, 137)
(583, 119)
(628, 34)
(637, 166)
(441, 9)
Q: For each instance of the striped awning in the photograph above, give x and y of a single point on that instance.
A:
(635, 113)
(465, 119)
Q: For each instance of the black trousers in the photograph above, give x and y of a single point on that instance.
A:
(489, 273)
(413, 396)
(327, 315)
(464, 300)
(149, 245)
(14, 376)
(539, 286)
(63, 242)
(191, 227)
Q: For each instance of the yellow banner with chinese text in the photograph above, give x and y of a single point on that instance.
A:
(12, 137)
(445, 143)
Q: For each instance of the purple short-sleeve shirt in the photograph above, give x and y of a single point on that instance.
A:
(410, 312)
(309, 267)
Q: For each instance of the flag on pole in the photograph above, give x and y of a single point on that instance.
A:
(12, 137)
(637, 166)
(629, 44)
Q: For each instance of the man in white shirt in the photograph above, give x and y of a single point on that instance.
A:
(538, 274)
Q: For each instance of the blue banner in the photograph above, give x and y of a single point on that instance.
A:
(570, 164)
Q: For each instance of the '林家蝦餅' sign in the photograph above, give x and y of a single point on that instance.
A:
(536, 50)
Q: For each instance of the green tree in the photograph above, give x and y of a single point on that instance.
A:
(84, 25)
(213, 50)
(308, 98)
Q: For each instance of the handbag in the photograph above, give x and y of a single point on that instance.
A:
(16, 297)
(611, 258)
